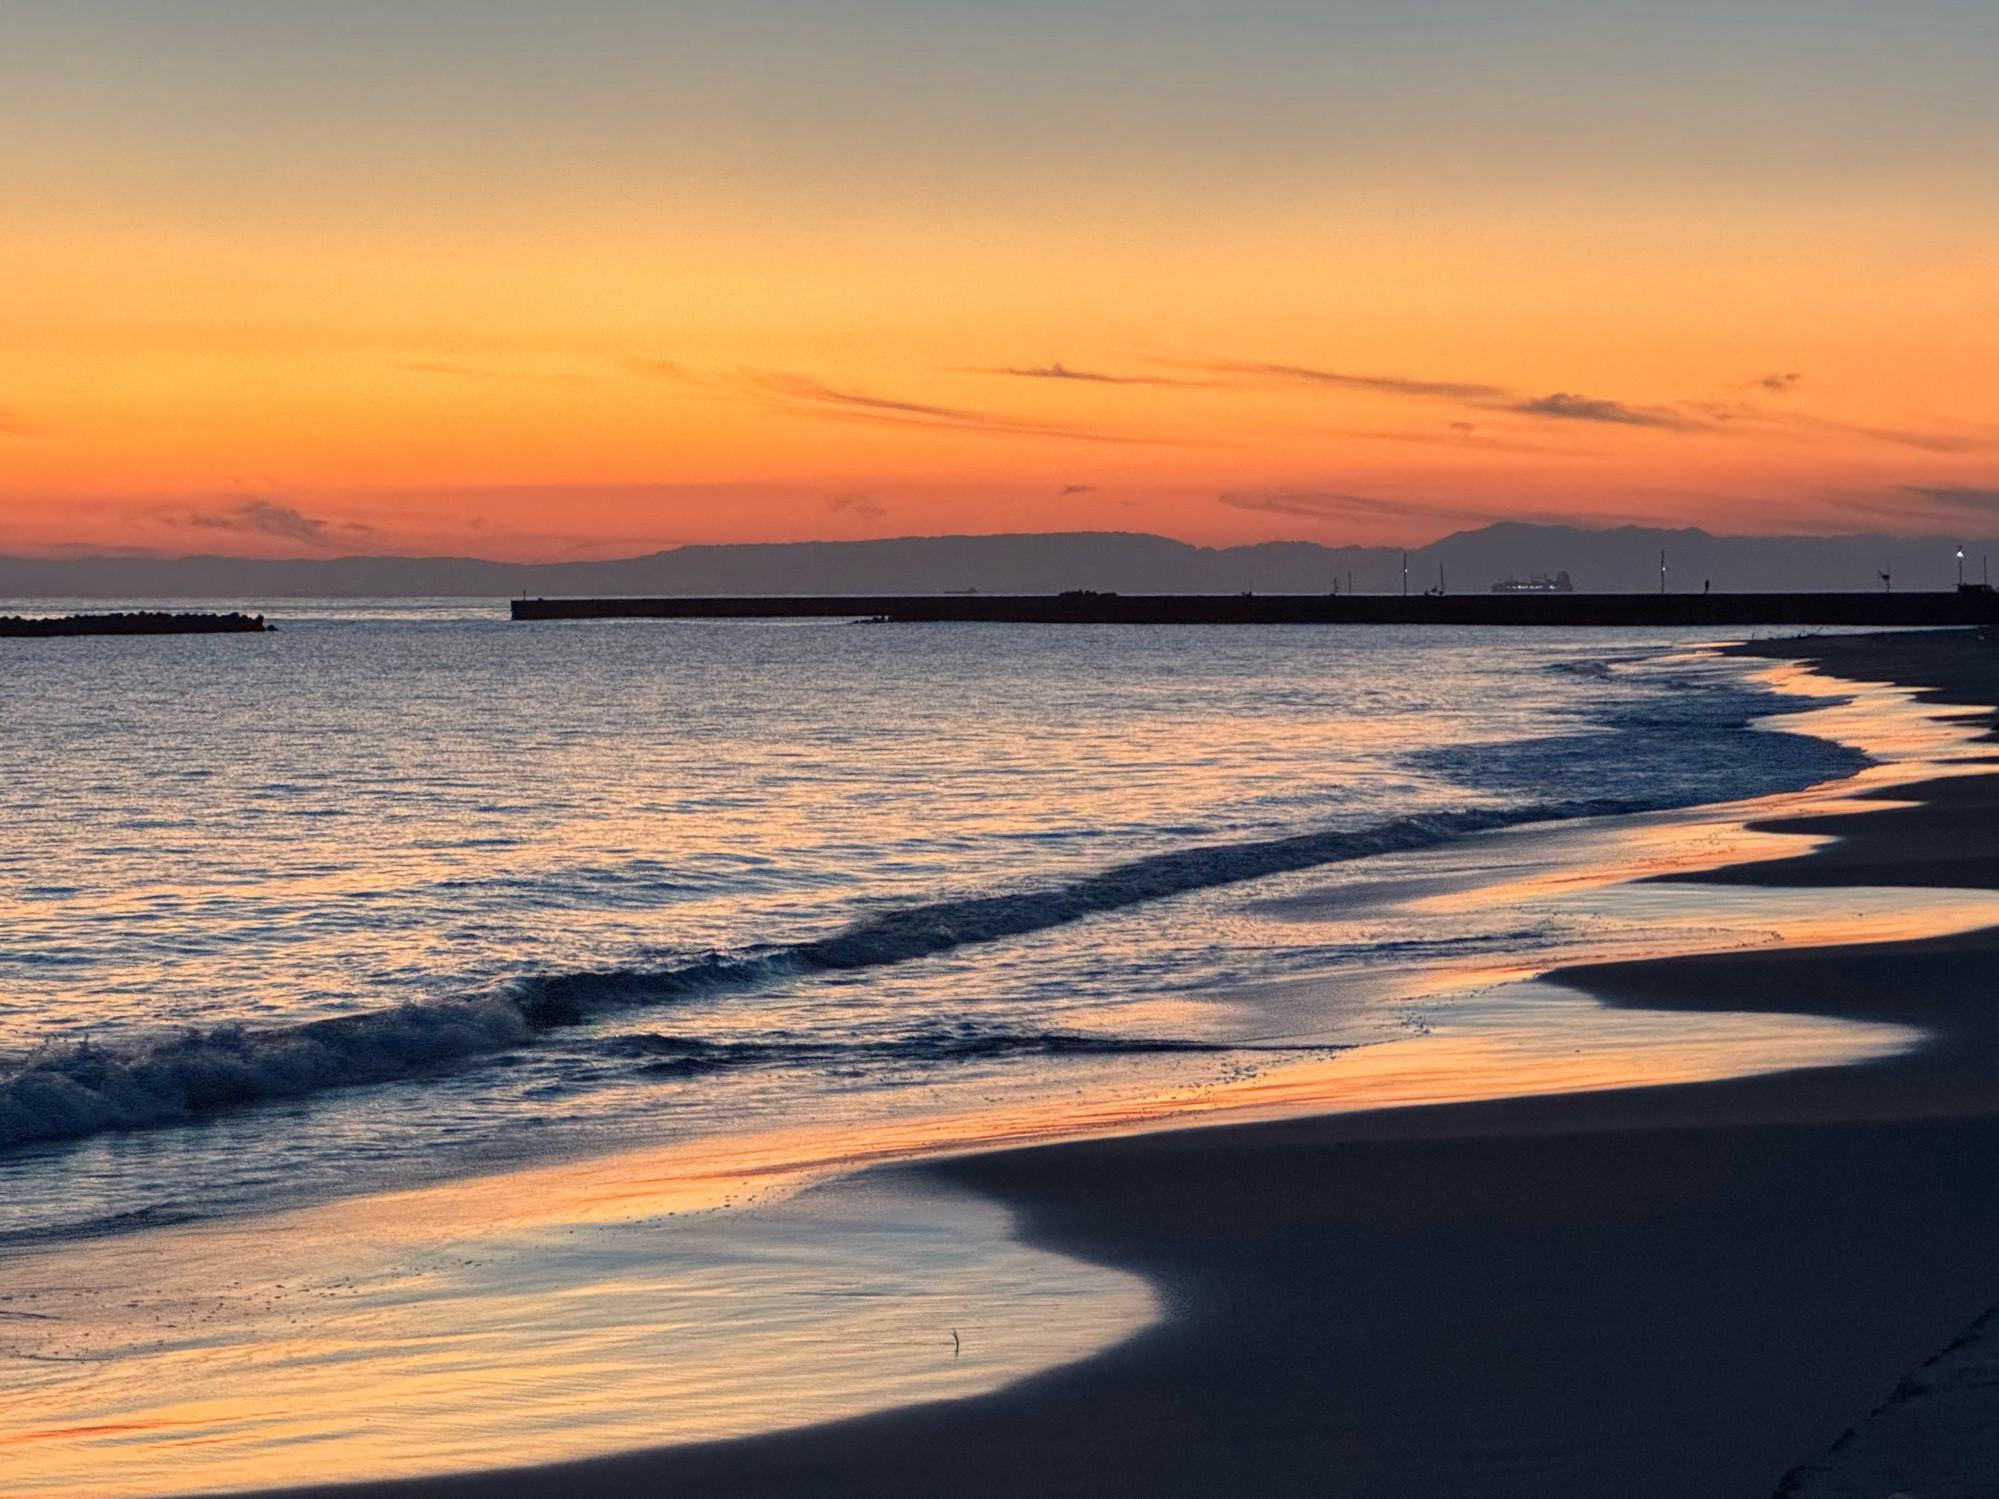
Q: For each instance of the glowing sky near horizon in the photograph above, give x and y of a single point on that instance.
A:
(535, 280)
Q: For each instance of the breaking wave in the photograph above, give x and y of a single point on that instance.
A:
(1670, 751)
(86, 1089)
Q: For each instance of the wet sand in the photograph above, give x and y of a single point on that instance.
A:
(1679, 1291)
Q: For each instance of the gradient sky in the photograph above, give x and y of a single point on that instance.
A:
(534, 280)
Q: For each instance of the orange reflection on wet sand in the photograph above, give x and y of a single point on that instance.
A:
(516, 1320)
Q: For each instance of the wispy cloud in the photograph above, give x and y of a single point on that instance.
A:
(67, 549)
(801, 393)
(1564, 406)
(856, 502)
(1463, 435)
(1060, 371)
(1575, 410)
(1334, 505)
(1900, 437)
(1476, 395)
(1069, 489)
(1466, 391)
(1751, 416)
(261, 517)
(1970, 498)
(1568, 407)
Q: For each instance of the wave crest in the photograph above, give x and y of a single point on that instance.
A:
(88, 1089)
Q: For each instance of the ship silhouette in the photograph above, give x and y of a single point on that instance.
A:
(1536, 583)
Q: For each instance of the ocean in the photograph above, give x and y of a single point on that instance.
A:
(407, 899)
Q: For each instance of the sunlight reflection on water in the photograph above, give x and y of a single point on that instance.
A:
(704, 1285)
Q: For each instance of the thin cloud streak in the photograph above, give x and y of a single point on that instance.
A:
(1900, 510)
(1798, 421)
(1334, 505)
(797, 392)
(1464, 392)
(800, 393)
(1475, 395)
(1475, 441)
(1927, 442)
(1059, 371)
(1960, 497)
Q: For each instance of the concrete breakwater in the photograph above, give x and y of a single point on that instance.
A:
(1968, 606)
(143, 623)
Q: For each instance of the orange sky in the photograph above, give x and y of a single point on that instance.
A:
(340, 280)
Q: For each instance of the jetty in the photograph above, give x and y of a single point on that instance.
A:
(142, 623)
(1973, 604)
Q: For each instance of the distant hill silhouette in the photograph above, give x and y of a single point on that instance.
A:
(1620, 560)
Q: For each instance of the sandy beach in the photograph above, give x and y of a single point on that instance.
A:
(1677, 1291)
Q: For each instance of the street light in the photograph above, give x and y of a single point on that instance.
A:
(1960, 567)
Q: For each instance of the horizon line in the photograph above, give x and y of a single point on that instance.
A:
(165, 559)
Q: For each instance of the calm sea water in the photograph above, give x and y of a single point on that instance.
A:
(401, 892)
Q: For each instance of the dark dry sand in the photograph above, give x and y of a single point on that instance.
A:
(1679, 1292)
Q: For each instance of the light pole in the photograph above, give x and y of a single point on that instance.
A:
(1960, 567)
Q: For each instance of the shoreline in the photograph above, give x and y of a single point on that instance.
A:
(1681, 1290)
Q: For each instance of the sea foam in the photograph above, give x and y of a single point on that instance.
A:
(1681, 745)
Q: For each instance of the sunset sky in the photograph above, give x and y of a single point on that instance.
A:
(529, 280)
